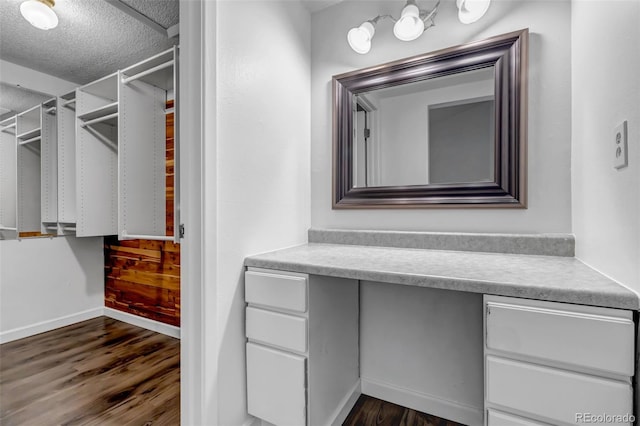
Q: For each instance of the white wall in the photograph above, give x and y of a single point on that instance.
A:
(256, 171)
(606, 91)
(46, 283)
(419, 313)
(17, 75)
(424, 342)
(549, 111)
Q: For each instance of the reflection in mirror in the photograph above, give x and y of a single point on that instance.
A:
(428, 132)
(441, 129)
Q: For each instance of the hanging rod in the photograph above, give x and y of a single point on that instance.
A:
(111, 144)
(68, 228)
(37, 138)
(99, 119)
(9, 126)
(147, 237)
(147, 72)
(50, 110)
(51, 227)
(69, 102)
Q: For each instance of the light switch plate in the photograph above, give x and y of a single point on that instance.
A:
(620, 158)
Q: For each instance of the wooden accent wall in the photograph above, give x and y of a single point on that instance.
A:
(142, 277)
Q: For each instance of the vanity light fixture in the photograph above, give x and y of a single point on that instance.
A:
(413, 22)
(470, 11)
(410, 26)
(39, 13)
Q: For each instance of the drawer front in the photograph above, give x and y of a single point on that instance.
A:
(276, 386)
(554, 394)
(277, 291)
(498, 418)
(599, 342)
(286, 331)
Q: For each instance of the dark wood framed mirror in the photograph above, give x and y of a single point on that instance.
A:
(442, 129)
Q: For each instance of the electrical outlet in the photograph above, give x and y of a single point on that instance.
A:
(620, 146)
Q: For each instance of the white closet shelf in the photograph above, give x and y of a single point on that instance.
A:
(30, 134)
(7, 228)
(105, 110)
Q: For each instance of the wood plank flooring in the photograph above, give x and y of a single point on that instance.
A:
(97, 372)
(369, 411)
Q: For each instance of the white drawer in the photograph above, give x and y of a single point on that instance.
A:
(276, 389)
(554, 394)
(286, 331)
(498, 418)
(277, 291)
(560, 333)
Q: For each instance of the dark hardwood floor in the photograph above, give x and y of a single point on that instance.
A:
(98, 372)
(370, 411)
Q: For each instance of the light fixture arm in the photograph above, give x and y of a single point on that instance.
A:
(380, 18)
(428, 16)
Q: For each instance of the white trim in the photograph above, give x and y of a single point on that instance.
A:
(158, 327)
(44, 326)
(197, 403)
(346, 405)
(446, 409)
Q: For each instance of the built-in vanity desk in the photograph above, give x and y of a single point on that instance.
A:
(558, 344)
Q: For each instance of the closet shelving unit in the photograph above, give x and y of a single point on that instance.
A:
(29, 141)
(97, 157)
(49, 167)
(66, 114)
(144, 90)
(96, 161)
(8, 179)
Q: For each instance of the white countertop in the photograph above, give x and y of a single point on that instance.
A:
(552, 278)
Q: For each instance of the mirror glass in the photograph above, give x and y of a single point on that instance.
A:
(428, 132)
(442, 129)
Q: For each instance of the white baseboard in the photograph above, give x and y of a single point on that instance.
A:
(44, 326)
(152, 325)
(346, 405)
(446, 409)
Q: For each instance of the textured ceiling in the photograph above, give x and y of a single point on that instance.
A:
(92, 39)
